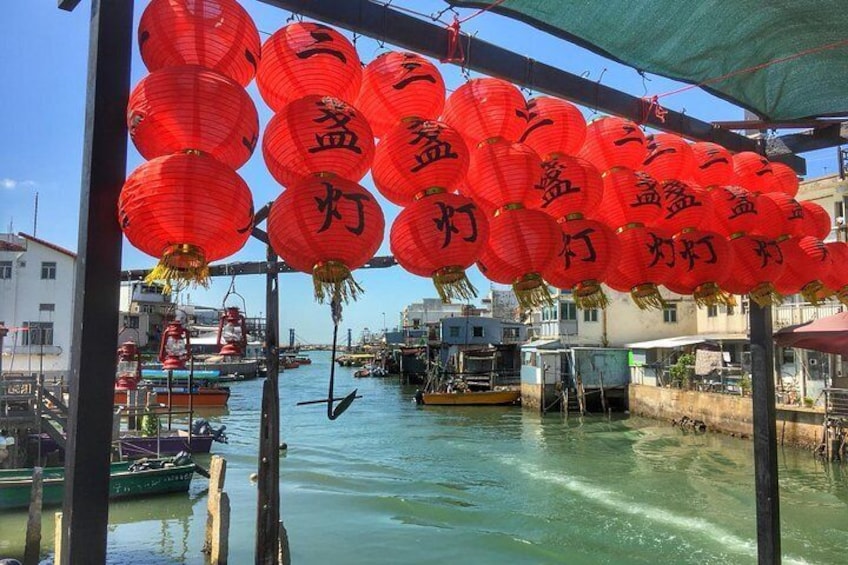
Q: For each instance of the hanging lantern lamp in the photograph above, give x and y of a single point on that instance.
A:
(713, 164)
(232, 333)
(614, 142)
(753, 171)
(129, 367)
(554, 126)
(629, 197)
(485, 108)
(807, 264)
(501, 173)
(784, 179)
(569, 185)
(704, 262)
(647, 260)
(684, 206)
(816, 220)
(757, 263)
(216, 34)
(175, 346)
(791, 212)
(669, 157)
(734, 210)
(836, 278)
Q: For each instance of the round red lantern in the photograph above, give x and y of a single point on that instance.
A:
(713, 164)
(772, 220)
(836, 278)
(807, 264)
(307, 59)
(569, 185)
(704, 261)
(753, 171)
(554, 126)
(630, 197)
(734, 210)
(816, 220)
(192, 108)
(215, 34)
(684, 206)
(588, 249)
(521, 245)
(501, 172)
(614, 142)
(439, 237)
(784, 179)
(397, 86)
(317, 135)
(791, 212)
(669, 157)
(188, 210)
(647, 260)
(757, 263)
(484, 108)
(327, 227)
(416, 156)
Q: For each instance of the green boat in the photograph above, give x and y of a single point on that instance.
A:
(144, 477)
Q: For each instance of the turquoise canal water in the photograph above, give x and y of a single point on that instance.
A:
(390, 482)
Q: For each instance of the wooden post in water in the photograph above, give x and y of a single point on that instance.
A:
(285, 553)
(221, 531)
(217, 475)
(603, 396)
(32, 549)
(57, 538)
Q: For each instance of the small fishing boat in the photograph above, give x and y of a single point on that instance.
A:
(145, 477)
(303, 360)
(469, 398)
(180, 396)
(362, 373)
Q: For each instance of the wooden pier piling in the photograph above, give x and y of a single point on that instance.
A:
(32, 549)
(217, 475)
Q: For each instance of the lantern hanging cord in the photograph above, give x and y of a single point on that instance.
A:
(754, 68)
(232, 291)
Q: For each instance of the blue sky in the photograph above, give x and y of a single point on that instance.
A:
(42, 104)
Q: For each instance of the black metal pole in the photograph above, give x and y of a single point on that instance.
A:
(765, 435)
(268, 502)
(98, 271)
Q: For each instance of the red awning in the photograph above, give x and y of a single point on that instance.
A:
(829, 335)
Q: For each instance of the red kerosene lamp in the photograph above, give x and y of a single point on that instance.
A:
(232, 332)
(128, 373)
(175, 347)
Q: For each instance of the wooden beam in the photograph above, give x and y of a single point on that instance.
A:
(765, 125)
(831, 135)
(68, 5)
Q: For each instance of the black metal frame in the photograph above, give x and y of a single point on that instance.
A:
(104, 169)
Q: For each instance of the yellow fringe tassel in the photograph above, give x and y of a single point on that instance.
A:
(842, 295)
(182, 263)
(815, 293)
(531, 291)
(333, 281)
(709, 294)
(647, 297)
(765, 295)
(588, 294)
(452, 284)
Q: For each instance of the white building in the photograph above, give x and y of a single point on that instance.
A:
(36, 304)
(428, 312)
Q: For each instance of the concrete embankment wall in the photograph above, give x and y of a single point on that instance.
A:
(725, 413)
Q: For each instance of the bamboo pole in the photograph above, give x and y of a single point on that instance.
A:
(32, 549)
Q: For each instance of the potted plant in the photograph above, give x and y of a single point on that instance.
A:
(681, 372)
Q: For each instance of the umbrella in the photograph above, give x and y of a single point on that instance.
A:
(829, 335)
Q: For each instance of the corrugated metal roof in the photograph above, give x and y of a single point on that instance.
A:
(680, 341)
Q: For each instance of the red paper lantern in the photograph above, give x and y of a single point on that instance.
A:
(669, 157)
(614, 142)
(215, 34)
(307, 59)
(553, 126)
(816, 220)
(630, 197)
(569, 185)
(791, 213)
(587, 250)
(192, 108)
(417, 156)
(753, 171)
(771, 222)
(317, 135)
(734, 210)
(757, 263)
(484, 108)
(397, 86)
(714, 164)
(521, 245)
(501, 173)
(327, 227)
(784, 179)
(807, 264)
(684, 206)
(836, 278)
(188, 210)
(704, 262)
(647, 260)
(439, 237)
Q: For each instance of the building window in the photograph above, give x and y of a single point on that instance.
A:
(46, 307)
(730, 310)
(453, 331)
(744, 307)
(712, 311)
(477, 331)
(510, 333)
(38, 333)
(131, 322)
(5, 269)
(568, 311)
(670, 314)
(590, 315)
(48, 270)
(416, 323)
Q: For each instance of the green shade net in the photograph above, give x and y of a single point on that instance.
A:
(698, 40)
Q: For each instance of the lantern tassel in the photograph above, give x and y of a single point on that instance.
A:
(709, 294)
(815, 293)
(765, 295)
(588, 295)
(452, 284)
(647, 297)
(181, 263)
(333, 281)
(842, 295)
(531, 291)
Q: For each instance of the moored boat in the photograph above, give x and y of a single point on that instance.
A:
(481, 398)
(180, 396)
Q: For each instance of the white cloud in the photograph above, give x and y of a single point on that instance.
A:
(11, 184)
